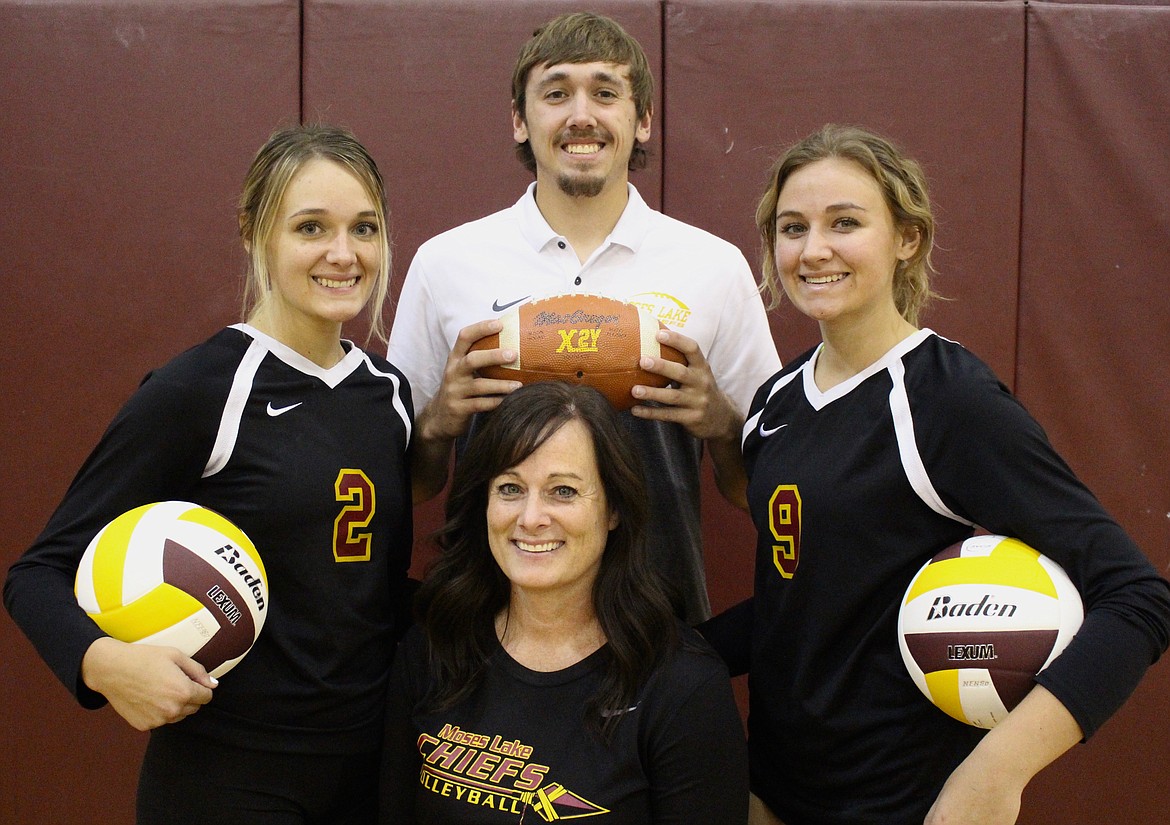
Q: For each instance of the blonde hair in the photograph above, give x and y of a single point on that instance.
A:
(903, 186)
(268, 178)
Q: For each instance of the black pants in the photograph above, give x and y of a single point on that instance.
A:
(186, 779)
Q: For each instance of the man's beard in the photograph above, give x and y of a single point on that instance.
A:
(579, 186)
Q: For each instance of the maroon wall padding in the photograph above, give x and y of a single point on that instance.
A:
(1094, 363)
(743, 80)
(127, 128)
(945, 80)
(426, 85)
(126, 131)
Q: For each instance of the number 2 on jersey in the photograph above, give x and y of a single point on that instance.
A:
(784, 522)
(351, 539)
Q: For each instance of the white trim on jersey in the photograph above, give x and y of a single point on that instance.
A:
(399, 407)
(329, 376)
(751, 423)
(241, 391)
(233, 410)
(912, 463)
(903, 418)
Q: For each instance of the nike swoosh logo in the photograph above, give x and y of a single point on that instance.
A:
(764, 433)
(275, 411)
(498, 307)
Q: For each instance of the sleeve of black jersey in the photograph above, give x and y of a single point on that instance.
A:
(155, 449)
(405, 392)
(992, 463)
(692, 741)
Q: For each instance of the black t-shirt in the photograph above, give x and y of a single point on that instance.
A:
(519, 747)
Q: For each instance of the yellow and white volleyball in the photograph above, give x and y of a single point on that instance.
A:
(177, 574)
(980, 620)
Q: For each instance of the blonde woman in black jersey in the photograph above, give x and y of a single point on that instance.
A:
(867, 455)
(299, 437)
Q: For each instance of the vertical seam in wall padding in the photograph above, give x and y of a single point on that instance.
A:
(301, 74)
(1015, 384)
(662, 106)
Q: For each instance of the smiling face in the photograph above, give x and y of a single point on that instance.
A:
(323, 252)
(582, 125)
(837, 245)
(548, 518)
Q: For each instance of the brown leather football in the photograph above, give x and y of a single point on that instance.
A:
(582, 339)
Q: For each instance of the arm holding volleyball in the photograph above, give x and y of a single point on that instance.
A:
(701, 407)
(986, 787)
(1006, 476)
(147, 685)
(1127, 604)
(148, 453)
(448, 415)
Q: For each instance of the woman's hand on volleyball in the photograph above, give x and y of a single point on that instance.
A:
(147, 685)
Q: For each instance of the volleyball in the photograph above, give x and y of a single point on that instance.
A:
(980, 620)
(177, 574)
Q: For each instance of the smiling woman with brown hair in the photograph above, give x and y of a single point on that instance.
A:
(548, 672)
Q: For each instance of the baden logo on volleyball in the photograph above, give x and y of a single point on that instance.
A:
(980, 620)
(176, 574)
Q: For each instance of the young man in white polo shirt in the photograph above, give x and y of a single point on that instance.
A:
(581, 110)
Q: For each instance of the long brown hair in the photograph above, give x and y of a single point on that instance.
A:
(465, 588)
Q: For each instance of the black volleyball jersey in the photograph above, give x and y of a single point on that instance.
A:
(851, 491)
(310, 463)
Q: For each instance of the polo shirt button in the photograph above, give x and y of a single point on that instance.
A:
(561, 244)
(578, 281)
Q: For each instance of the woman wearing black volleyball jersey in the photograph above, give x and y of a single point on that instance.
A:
(282, 426)
(868, 454)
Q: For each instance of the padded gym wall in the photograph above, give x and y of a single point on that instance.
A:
(946, 80)
(1094, 340)
(126, 131)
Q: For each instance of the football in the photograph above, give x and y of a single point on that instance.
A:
(980, 620)
(582, 339)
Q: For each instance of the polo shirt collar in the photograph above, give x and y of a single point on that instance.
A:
(630, 231)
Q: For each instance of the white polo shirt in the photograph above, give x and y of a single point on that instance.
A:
(695, 283)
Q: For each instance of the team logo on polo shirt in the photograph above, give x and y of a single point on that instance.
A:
(664, 307)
